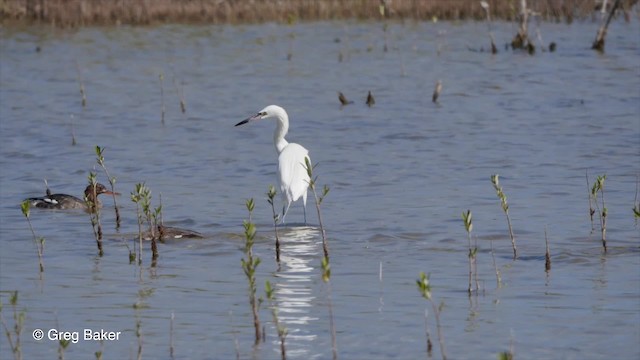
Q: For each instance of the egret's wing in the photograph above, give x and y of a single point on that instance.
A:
(294, 180)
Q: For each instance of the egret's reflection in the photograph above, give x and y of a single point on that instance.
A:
(294, 287)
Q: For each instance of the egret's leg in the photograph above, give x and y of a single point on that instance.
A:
(285, 209)
(304, 210)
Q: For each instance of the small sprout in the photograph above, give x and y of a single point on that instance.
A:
(326, 269)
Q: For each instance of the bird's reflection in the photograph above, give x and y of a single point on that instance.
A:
(294, 287)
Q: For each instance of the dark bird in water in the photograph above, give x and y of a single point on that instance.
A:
(64, 201)
(370, 100)
(343, 99)
(436, 91)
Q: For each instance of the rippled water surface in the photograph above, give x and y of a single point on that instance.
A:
(400, 174)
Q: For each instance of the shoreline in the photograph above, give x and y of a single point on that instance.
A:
(80, 13)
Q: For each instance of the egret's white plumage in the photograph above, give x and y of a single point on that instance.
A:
(293, 179)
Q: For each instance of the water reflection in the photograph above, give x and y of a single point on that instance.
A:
(294, 287)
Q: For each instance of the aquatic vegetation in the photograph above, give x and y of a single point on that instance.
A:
(467, 218)
(318, 199)
(547, 253)
(495, 267)
(38, 241)
(592, 211)
(73, 133)
(436, 91)
(282, 330)
(598, 43)
(424, 287)
(370, 100)
(485, 7)
(598, 188)
(636, 204)
(271, 194)
(326, 278)
(81, 85)
(94, 212)
(505, 207)
(180, 93)
(161, 76)
(141, 196)
(249, 266)
(18, 320)
(112, 182)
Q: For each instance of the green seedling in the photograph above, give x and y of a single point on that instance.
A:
(424, 287)
(505, 207)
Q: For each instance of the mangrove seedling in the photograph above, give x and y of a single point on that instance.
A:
(112, 182)
(467, 218)
(81, 84)
(636, 204)
(592, 211)
(318, 200)
(505, 207)
(495, 267)
(598, 188)
(547, 254)
(282, 330)
(485, 6)
(271, 194)
(94, 212)
(424, 287)
(249, 266)
(73, 133)
(180, 93)
(162, 97)
(18, 319)
(326, 278)
(38, 241)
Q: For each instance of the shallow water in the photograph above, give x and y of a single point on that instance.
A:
(400, 174)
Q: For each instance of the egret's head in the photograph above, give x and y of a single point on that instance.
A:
(268, 112)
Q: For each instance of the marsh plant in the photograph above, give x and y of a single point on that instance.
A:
(63, 344)
(326, 278)
(249, 266)
(180, 93)
(318, 201)
(495, 267)
(547, 254)
(73, 132)
(38, 241)
(271, 194)
(161, 76)
(112, 182)
(18, 321)
(81, 85)
(598, 188)
(142, 198)
(467, 218)
(94, 212)
(282, 330)
(495, 180)
(424, 287)
(636, 204)
(592, 211)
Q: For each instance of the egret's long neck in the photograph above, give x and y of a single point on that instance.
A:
(282, 127)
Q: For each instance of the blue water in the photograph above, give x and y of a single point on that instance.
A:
(400, 174)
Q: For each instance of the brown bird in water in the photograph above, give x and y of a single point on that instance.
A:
(370, 100)
(171, 232)
(436, 91)
(343, 99)
(64, 201)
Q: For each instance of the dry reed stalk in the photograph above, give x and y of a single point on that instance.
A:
(75, 13)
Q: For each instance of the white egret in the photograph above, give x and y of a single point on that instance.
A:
(293, 179)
